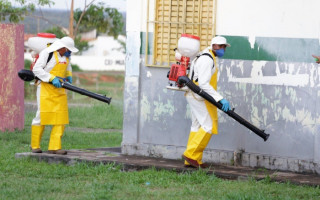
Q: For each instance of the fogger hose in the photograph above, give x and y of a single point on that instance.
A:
(28, 75)
(196, 89)
(99, 97)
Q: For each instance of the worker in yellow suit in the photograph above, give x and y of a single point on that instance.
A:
(52, 65)
(203, 72)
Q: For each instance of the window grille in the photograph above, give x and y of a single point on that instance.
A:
(170, 19)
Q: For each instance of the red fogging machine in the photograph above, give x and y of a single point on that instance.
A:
(189, 46)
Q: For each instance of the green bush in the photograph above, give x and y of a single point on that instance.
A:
(75, 68)
(27, 63)
(80, 44)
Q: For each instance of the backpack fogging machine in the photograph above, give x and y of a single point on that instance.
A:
(37, 44)
(189, 46)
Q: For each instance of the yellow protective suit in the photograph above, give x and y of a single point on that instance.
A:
(53, 101)
(204, 114)
(53, 108)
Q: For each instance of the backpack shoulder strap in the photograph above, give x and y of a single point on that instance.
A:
(207, 54)
(204, 54)
(50, 56)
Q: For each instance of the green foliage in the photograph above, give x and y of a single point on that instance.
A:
(104, 19)
(80, 44)
(57, 31)
(16, 14)
(75, 68)
(27, 63)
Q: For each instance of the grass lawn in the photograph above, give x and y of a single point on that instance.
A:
(29, 179)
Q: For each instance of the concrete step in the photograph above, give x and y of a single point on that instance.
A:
(130, 162)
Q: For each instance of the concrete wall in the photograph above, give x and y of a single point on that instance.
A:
(11, 87)
(267, 74)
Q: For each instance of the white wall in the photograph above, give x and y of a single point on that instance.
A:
(99, 63)
(269, 18)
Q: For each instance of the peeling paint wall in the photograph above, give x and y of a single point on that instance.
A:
(284, 104)
(267, 74)
(11, 87)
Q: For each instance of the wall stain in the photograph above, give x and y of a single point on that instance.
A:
(145, 109)
(273, 94)
(11, 87)
(163, 110)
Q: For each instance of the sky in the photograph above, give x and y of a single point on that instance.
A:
(65, 4)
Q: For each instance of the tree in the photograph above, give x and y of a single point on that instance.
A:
(57, 31)
(81, 45)
(17, 14)
(104, 19)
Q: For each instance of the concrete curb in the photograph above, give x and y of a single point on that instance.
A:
(129, 163)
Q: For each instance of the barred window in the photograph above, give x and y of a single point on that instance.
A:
(170, 19)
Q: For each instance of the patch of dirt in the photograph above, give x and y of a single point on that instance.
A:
(109, 79)
(93, 77)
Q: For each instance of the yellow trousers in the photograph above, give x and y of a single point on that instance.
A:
(55, 136)
(197, 142)
(36, 135)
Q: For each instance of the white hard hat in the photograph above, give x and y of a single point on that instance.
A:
(219, 40)
(69, 44)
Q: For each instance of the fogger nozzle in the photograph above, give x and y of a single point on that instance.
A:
(28, 75)
(196, 89)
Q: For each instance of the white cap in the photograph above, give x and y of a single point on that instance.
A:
(66, 42)
(219, 40)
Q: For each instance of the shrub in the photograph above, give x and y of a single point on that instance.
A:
(27, 63)
(75, 68)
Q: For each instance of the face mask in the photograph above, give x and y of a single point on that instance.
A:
(220, 52)
(67, 54)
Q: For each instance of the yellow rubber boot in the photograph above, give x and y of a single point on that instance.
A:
(36, 134)
(199, 142)
(191, 136)
(55, 137)
(202, 146)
